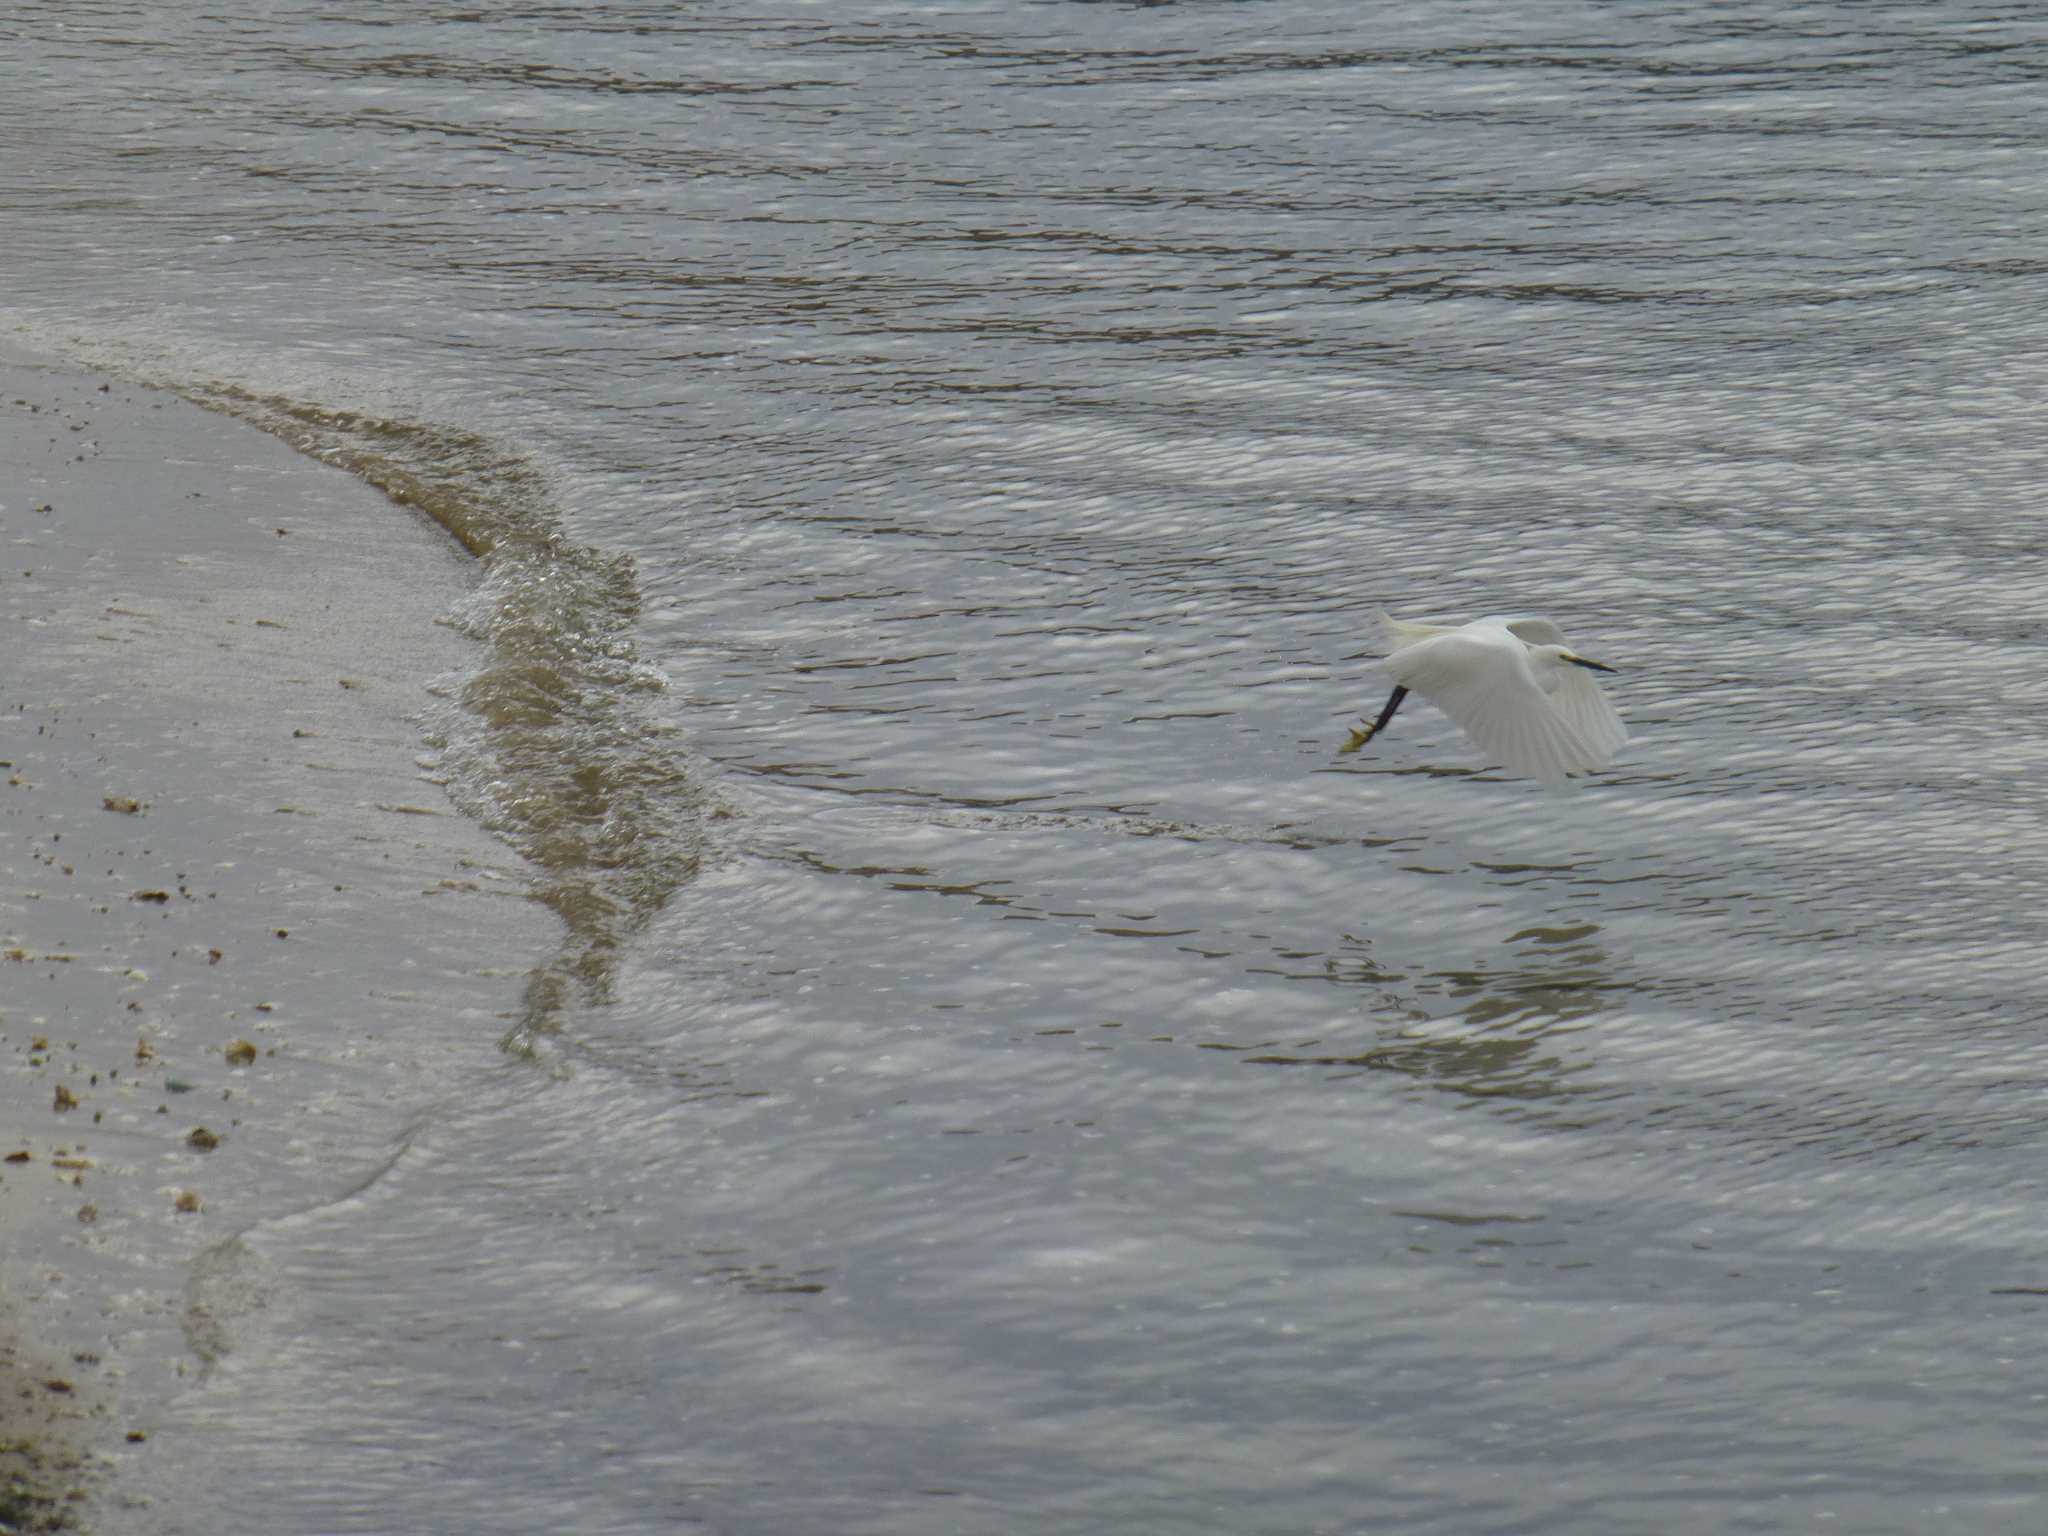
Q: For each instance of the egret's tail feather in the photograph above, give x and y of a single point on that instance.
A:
(1400, 632)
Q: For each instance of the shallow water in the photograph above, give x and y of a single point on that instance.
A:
(1004, 1067)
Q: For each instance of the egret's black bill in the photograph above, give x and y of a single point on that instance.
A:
(1597, 666)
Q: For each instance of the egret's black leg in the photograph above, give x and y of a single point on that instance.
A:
(1360, 737)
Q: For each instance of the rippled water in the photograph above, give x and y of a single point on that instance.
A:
(937, 467)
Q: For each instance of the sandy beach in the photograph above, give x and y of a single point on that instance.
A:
(231, 893)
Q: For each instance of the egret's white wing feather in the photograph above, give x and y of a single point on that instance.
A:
(1576, 695)
(1532, 628)
(1585, 709)
(1535, 741)
(1480, 676)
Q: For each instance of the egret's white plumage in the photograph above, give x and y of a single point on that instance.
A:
(1516, 686)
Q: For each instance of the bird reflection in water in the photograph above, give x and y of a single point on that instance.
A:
(1501, 1034)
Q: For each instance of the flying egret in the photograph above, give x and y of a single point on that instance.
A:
(1516, 686)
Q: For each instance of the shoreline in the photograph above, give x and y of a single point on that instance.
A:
(244, 936)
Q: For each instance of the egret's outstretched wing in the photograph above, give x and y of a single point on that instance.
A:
(1585, 709)
(1535, 630)
(1576, 695)
(1480, 676)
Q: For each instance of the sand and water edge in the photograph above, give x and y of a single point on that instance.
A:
(244, 935)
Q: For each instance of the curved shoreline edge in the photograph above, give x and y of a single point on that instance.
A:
(567, 751)
(244, 936)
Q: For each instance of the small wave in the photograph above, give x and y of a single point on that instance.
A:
(555, 741)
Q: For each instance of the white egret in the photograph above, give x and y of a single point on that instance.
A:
(1516, 686)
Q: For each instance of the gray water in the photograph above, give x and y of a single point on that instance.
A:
(1004, 1071)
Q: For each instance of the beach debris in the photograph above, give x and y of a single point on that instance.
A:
(284, 933)
(144, 1051)
(57, 1384)
(18, 1157)
(213, 957)
(88, 1214)
(127, 805)
(201, 1139)
(240, 1053)
(137, 1436)
(158, 897)
(186, 1204)
(65, 1100)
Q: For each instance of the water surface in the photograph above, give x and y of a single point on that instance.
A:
(937, 467)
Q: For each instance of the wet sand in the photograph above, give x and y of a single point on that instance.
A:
(243, 934)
